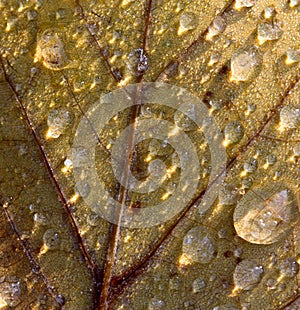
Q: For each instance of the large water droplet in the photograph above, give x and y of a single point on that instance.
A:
(245, 64)
(247, 274)
(12, 290)
(199, 245)
(217, 26)
(265, 215)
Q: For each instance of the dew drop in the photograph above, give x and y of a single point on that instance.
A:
(156, 304)
(51, 239)
(271, 159)
(12, 290)
(137, 62)
(32, 15)
(289, 268)
(269, 12)
(50, 51)
(233, 132)
(289, 117)
(40, 218)
(244, 4)
(188, 21)
(292, 56)
(251, 165)
(244, 64)
(247, 274)
(294, 3)
(57, 121)
(268, 32)
(198, 285)
(266, 214)
(184, 118)
(199, 245)
(228, 195)
(217, 26)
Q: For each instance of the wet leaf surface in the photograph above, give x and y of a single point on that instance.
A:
(241, 59)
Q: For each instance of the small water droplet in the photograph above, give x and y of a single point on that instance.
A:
(233, 132)
(137, 62)
(245, 64)
(247, 274)
(289, 117)
(292, 56)
(198, 285)
(199, 245)
(60, 299)
(265, 214)
(228, 195)
(244, 4)
(156, 304)
(32, 15)
(251, 165)
(188, 21)
(51, 239)
(247, 183)
(12, 290)
(289, 268)
(217, 26)
(271, 159)
(269, 12)
(40, 218)
(58, 120)
(268, 32)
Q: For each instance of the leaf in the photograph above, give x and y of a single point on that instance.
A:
(240, 60)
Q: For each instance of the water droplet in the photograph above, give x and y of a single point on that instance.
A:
(245, 64)
(60, 13)
(32, 15)
(82, 188)
(247, 183)
(289, 268)
(199, 245)
(60, 299)
(58, 120)
(266, 214)
(251, 165)
(198, 285)
(244, 4)
(247, 274)
(268, 32)
(156, 304)
(269, 12)
(188, 21)
(271, 159)
(137, 62)
(292, 56)
(50, 51)
(184, 118)
(294, 3)
(233, 132)
(12, 290)
(228, 195)
(51, 239)
(289, 117)
(217, 26)
(40, 218)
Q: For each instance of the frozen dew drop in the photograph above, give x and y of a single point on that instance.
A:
(244, 64)
(51, 239)
(199, 245)
(289, 268)
(137, 62)
(294, 3)
(289, 117)
(239, 4)
(198, 285)
(57, 121)
(188, 21)
(268, 32)
(269, 12)
(266, 214)
(247, 274)
(217, 26)
(12, 291)
(233, 132)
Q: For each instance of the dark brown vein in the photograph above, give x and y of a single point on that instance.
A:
(115, 74)
(52, 175)
(130, 275)
(115, 229)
